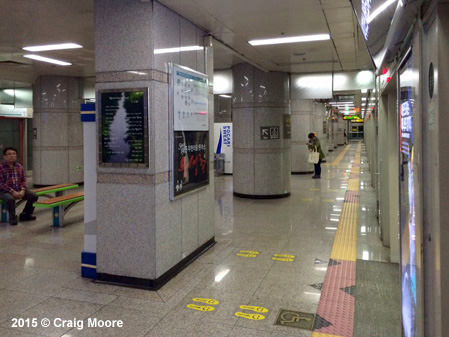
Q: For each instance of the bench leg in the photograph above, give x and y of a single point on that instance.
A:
(58, 216)
(5, 213)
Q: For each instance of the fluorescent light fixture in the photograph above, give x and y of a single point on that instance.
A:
(177, 49)
(380, 10)
(226, 96)
(46, 59)
(292, 39)
(53, 47)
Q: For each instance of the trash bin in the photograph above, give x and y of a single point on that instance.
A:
(219, 163)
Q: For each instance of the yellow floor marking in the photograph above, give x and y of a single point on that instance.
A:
(282, 259)
(314, 189)
(254, 317)
(333, 190)
(306, 199)
(246, 255)
(317, 334)
(284, 255)
(249, 252)
(206, 300)
(200, 307)
(253, 308)
(339, 157)
(327, 200)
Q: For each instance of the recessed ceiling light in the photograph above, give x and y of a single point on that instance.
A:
(177, 49)
(46, 59)
(292, 39)
(53, 47)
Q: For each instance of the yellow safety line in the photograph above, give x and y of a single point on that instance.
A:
(339, 157)
(345, 241)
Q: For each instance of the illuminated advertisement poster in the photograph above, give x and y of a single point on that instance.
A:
(123, 131)
(407, 204)
(191, 161)
(190, 100)
(223, 143)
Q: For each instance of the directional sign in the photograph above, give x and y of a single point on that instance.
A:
(269, 132)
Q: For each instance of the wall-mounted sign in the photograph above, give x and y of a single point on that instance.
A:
(11, 111)
(269, 132)
(190, 99)
(223, 144)
(123, 129)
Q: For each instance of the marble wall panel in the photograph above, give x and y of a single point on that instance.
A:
(206, 213)
(166, 34)
(243, 128)
(270, 87)
(123, 38)
(54, 167)
(37, 125)
(54, 128)
(269, 174)
(243, 83)
(189, 223)
(74, 94)
(188, 38)
(161, 140)
(244, 171)
(75, 129)
(168, 229)
(54, 92)
(126, 243)
(75, 167)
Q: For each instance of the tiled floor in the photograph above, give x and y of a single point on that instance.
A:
(40, 267)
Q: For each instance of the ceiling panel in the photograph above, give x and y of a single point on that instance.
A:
(25, 22)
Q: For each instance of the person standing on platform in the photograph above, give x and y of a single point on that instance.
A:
(13, 187)
(315, 145)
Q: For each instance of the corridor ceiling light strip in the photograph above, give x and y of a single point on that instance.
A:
(177, 49)
(292, 39)
(52, 47)
(46, 59)
(383, 7)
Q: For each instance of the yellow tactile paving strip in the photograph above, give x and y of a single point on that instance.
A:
(336, 306)
(339, 157)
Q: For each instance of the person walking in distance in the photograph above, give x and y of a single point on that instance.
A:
(315, 145)
(13, 187)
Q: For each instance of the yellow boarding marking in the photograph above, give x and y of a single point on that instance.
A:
(327, 200)
(284, 255)
(246, 255)
(206, 300)
(354, 185)
(254, 317)
(253, 308)
(333, 190)
(318, 334)
(339, 157)
(249, 252)
(306, 199)
(314, 189)
(200, 307)
(282, 259)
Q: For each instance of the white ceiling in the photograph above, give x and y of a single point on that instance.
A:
(232, 22)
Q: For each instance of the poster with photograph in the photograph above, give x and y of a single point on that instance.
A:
(191, 161)
(123, 130)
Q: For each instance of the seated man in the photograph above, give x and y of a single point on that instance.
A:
(13, 187)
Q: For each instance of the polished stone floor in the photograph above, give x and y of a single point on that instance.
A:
(40, 269)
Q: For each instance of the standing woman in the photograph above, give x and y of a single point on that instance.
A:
(313, 143)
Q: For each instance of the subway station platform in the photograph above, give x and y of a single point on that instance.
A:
(308, 265)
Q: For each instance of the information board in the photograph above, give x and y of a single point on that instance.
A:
(190, 99)
(123, 128)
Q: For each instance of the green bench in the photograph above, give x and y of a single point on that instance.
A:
(58, 190)
(60, 205)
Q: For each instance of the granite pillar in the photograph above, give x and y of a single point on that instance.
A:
(302, 125)
(261, 119)
(143, 236)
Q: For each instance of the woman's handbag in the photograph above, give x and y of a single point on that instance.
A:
(314, 156)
